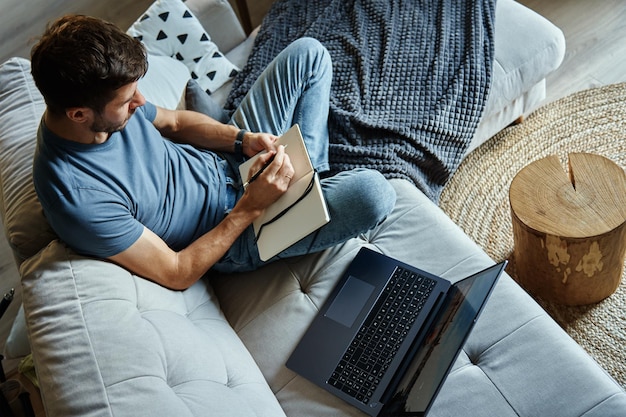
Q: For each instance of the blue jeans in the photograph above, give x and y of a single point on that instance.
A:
(295, 88)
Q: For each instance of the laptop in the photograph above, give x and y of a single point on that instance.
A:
(389, 333)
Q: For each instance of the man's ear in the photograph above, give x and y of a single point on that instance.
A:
(79, 114)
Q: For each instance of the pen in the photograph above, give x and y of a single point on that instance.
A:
(259, 172)
(6, 300)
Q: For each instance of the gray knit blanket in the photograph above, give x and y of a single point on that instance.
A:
(410, 81)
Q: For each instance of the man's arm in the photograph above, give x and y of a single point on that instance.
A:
(204, 132)
(151, 258)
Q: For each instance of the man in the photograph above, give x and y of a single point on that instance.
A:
(113, 187)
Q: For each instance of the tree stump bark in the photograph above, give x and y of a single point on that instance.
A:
(569, 233)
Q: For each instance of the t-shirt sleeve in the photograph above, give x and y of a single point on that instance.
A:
(149, 111)
(95, 223)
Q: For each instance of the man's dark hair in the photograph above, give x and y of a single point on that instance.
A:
(80, 61)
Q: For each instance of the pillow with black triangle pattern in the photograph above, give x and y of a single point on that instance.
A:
(169, 28)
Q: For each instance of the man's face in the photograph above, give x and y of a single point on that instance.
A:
(118, 111)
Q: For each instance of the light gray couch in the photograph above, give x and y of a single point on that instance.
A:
(108, 343)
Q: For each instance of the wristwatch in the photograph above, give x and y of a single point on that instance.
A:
(239, 142)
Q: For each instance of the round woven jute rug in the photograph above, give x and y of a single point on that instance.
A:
(476, 198)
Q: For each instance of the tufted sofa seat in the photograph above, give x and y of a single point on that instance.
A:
(126, 347)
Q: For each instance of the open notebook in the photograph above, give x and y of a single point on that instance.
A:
(298, 212)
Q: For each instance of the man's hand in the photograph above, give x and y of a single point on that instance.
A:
(273, 181)
(253, 143)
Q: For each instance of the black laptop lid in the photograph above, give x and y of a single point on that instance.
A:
(429, 363)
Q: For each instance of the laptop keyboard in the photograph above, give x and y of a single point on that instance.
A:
(376, 343)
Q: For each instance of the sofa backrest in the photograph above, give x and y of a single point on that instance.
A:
(21, 107)
(220, 21)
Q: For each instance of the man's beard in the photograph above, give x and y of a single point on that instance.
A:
(100, 125)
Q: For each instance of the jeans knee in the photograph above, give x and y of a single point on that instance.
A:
(367, 196)
(314, 51)
(380, 194)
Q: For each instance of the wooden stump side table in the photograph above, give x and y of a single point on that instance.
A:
(569, 233)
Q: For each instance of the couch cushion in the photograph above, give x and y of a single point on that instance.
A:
(515, 352)
(520, 67)
(218, 18)
(21, 107)
(109, 343)
(198, 100)
(516, 69)
(169, 28)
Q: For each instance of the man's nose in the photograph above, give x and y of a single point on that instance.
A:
(138, 100)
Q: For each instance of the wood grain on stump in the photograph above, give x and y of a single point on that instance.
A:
(569, 231)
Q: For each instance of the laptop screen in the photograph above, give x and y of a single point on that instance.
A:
(436, 355)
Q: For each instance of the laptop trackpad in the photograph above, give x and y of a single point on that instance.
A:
(350, 301)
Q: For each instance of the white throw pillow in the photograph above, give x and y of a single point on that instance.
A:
(169, 28)
(165, 82)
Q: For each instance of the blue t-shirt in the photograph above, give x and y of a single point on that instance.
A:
(98, 198)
